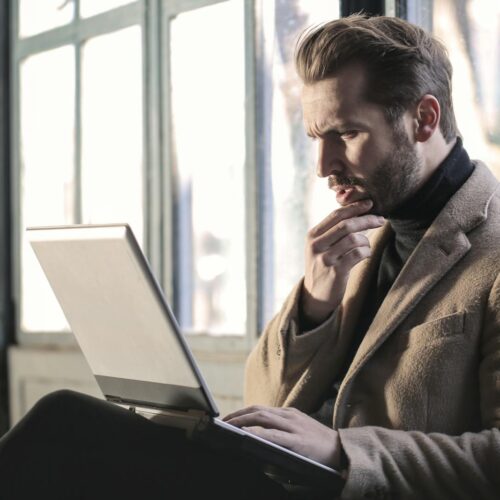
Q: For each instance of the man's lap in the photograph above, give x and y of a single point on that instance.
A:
(71, 445)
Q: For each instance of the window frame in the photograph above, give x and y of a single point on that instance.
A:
(74, 34)
(153, 17)
(204, 341)
(6, 310)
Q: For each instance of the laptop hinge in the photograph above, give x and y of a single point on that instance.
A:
(190, 420)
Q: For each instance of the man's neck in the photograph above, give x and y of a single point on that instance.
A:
(425, 204)
(433, 153)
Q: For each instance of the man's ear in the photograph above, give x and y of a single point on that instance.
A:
(427, 116)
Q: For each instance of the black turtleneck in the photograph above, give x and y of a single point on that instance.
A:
(409, 222)
(412, 219)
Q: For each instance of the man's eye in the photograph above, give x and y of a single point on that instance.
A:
(349, 134)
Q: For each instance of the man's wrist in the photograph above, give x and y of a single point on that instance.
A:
(343, 462)
(309, 318)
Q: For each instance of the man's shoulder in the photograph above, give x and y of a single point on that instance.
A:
(482, 175)
(481, 201)
(477, 201)
(488, 182)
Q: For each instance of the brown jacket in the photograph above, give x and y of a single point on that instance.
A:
(418, 412)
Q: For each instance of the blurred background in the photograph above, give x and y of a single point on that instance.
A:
(182, 118)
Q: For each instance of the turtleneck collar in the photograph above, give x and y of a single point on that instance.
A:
(410, 221)
(425, 204)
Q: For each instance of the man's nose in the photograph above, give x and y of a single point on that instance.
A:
(328, 161)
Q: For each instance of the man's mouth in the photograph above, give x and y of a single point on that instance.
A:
(340, 189)
(348, 190)
(345, 194)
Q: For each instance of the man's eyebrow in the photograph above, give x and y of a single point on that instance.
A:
(342, 127)
(320, 132)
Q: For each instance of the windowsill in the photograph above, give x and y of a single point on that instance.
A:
(205, 346)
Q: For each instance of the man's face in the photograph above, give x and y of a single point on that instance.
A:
(362, 155)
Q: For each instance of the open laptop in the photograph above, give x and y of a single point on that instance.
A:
(135, 349)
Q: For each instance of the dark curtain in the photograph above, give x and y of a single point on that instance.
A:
(6, 323)
(372, 7)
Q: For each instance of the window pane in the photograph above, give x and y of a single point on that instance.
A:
(299, 199)
(92, 7)
(47, 181)
(471, 32)
(208, 97)
(36, 16)
(112, 130)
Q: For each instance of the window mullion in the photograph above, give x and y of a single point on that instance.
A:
(251, 181)
(80, 29)
(153, 206)
(166, 157)
(265, 33)
(77, 188)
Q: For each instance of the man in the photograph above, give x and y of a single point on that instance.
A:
(385, 360)
(392, 340)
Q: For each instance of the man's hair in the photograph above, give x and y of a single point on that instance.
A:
(402, 62)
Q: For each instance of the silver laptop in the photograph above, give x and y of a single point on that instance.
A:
(135, 349)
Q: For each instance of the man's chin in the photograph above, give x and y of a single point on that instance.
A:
(377, 209)
(348, 197)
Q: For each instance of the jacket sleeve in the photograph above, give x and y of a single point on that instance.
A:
(386, 463)
(389, 464)
(278, 365)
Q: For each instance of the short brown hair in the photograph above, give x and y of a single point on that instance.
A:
(403, 62)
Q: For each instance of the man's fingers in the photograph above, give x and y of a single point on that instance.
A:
(243, 411)
(284, 412)
(263, 419)
(348, 212)
(355, 256)
(281, 438)
(251, 409)
(345, 245)
(345, 228)
(269, 418)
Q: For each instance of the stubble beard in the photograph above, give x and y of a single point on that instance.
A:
(396, 178)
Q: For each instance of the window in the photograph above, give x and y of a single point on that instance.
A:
(78, 130)
(183, 119)
(293, 194)
(208, 128)
(470, 29)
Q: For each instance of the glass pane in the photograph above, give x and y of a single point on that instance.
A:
(92, 7)
(36, 16)
(299, 200)
(112, 129)
(471, 32)
(208, 97)
(47, 180)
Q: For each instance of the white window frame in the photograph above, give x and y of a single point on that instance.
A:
(153, 16)
(75, 33)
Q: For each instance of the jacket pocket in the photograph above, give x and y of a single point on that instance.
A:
(436, 329)
(431, 378)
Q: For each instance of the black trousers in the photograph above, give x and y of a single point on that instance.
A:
(73, 446)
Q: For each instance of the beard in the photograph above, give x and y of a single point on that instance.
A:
(393, 180)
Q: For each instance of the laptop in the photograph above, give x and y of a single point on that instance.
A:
(136, 351)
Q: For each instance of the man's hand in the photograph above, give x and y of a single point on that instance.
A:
(292, 429)
(333, 248)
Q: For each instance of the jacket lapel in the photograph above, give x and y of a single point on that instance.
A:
(442, 246)
(417, 277)
(358, 284)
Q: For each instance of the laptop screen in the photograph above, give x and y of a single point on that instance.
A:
(119, 316)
